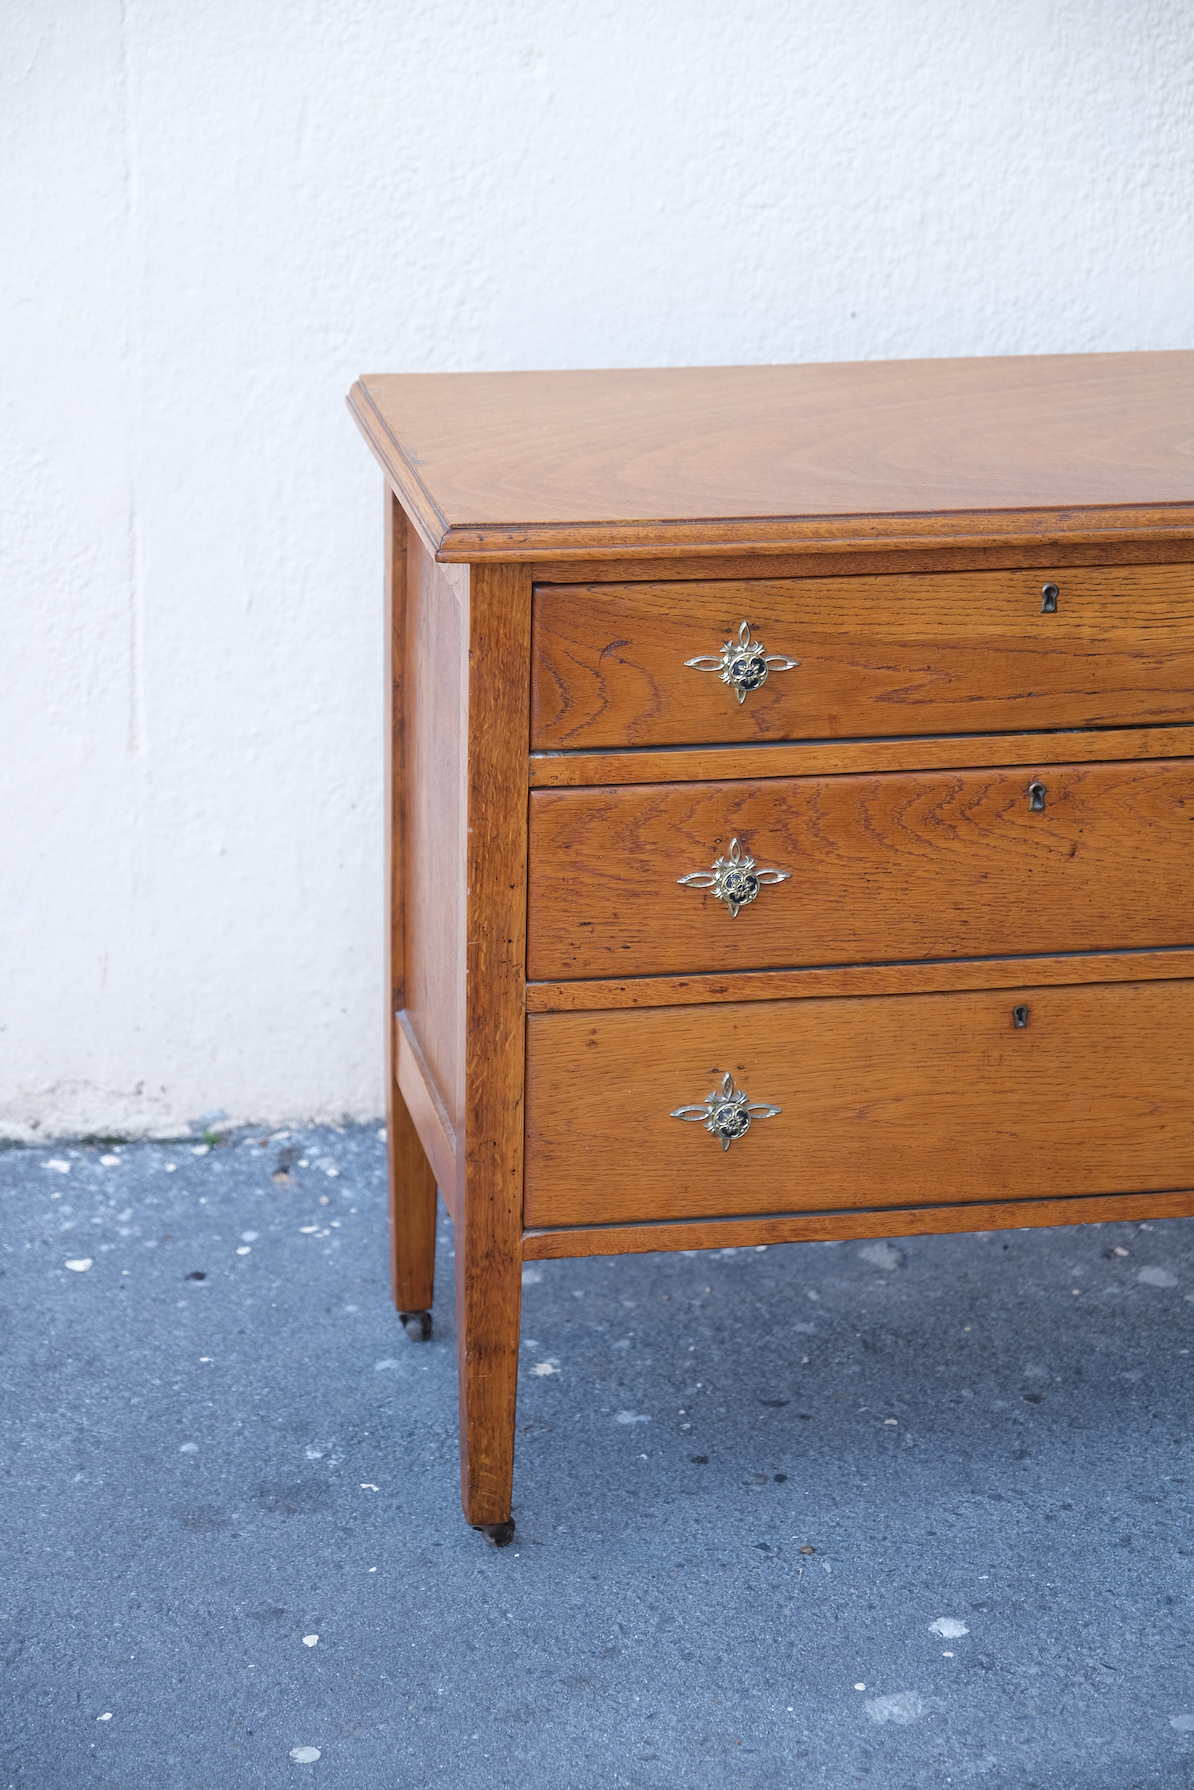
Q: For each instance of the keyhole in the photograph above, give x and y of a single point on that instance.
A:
(1019, 1017)
(1036, 797)
(1049, 596)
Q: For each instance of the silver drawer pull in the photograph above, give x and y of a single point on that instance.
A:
(727, 1114)
(743, 663)
(734, 879)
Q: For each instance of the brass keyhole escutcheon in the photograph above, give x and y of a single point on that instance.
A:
(1036, 797)
(1049, 596)
(1019, 1018)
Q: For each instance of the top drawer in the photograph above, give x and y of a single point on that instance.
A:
(940, 652)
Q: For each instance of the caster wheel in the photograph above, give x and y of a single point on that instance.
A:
(498, 1535)
(417, 1325)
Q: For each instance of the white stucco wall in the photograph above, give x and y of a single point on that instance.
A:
(212, 216)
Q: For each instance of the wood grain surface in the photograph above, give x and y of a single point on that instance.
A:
(827, 1227)
(410, 1177)
(682, 764)
(937, 977)
(899, 866)
(963, 652)
(886, 1103)
(489, 1244)
(436, 720)
(532, 465)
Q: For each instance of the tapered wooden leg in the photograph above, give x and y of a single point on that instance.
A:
(488, 1293)
(412, 1211)
(489, 1240)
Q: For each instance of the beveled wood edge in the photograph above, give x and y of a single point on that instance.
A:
(427, 1110)
(405, 482)
(1174, 963)
(825, 1227)
(828, 758)
(714, 536)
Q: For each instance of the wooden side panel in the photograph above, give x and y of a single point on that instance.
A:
(884, 1103)
(436, 699)
(935, 864)
(411, 1180)
(489, 1252)
(827, 1227)
(952, 652)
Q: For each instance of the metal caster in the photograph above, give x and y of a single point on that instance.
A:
(498, 1535)
(417, 1325)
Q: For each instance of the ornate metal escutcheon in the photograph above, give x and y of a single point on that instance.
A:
(728, 1113)
(734, 879)
(743, 663)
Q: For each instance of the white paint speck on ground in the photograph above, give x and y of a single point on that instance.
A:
(1157, 1277)
(307, 1230)
(107, 1716)
(189, 1448)
(304, 1755)
(243, 1249)
(200, 1149)
(382, 1134)
(58, 1165)
(631, 1417)
(543, 1368)
(949, 1628)
(79, 1265)
(883, 1255)
(391, 1364)
(902, 1707)
(310, 1640)
(170, 1167)
(531, 1277)
(892, 1422)
(249, 1236)
(368, 1486)
(110, 1161)
(860, 1687)
(1120, 1251)
(1183, 1723)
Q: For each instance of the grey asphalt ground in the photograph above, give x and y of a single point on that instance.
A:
(815, 1515)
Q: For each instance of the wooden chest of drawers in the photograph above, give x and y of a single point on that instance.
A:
(791, 814)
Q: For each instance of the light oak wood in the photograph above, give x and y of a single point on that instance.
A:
(901, 519)
(927, 865)
(1171, 964)
(885, 1103)
(489, 1246)
(524, 466)
(948, 653)
(704, 764)
(827, 1227)
(1043, 552)
(410, 1178)
(436, 837)
(429, 1115)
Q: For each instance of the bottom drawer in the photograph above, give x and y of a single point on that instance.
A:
(900, 1100)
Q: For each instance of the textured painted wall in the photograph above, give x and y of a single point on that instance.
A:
(213, 216)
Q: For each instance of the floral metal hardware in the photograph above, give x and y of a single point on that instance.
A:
(743, 663)
(727, 1114)
(734, 879)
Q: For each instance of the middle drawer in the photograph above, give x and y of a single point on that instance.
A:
(930, 864)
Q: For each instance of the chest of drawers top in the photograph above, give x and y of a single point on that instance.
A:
(623, 466)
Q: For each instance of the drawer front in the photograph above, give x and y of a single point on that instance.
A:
(932, 864)
(917, 1099)
(967, 652)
